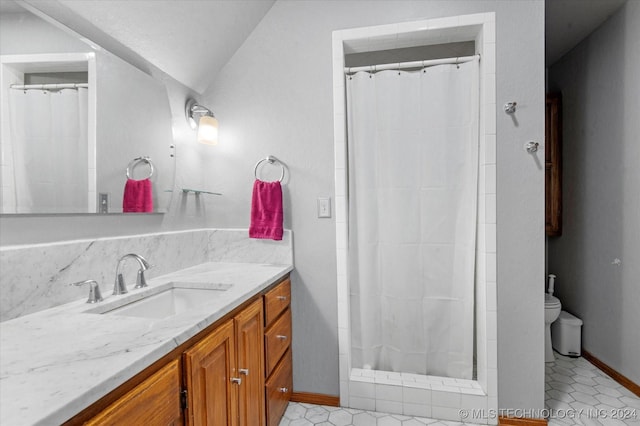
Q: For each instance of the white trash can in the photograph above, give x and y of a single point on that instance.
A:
(566, 334)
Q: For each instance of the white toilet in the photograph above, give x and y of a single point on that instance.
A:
(552, 308)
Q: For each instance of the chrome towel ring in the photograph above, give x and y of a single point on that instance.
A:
(271, 160)
(138, 160)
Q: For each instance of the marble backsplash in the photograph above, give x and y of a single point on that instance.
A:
(41, 276)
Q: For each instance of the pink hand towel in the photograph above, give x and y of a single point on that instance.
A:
(266, 211)
(138, 196)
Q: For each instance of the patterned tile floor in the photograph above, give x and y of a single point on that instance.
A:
(298, 414)
(578, 393)
(571, 385)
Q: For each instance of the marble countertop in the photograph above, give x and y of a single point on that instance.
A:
(56, 362)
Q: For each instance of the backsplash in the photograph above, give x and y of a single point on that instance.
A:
(40, 276)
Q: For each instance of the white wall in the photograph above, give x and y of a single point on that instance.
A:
(275, 97)
(601, 110)
(24, 33)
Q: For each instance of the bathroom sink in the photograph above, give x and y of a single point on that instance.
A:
(164, 300)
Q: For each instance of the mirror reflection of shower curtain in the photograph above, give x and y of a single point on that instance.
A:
(49, 145)
(413, 189)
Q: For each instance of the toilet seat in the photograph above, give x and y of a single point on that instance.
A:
(551, 301)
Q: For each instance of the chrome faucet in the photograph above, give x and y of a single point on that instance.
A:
(119, 286)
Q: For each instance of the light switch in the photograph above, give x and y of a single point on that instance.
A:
(324, 207)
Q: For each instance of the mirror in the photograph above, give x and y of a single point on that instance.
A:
(75, 120)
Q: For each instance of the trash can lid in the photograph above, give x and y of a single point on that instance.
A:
(567, 318)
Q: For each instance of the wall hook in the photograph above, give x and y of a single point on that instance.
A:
(510, 107)
(531, 147)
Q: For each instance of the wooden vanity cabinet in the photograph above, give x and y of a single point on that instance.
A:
(279, 384)
(156, 401)
(224, 373)
(238, 372)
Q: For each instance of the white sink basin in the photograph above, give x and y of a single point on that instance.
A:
(164, 300)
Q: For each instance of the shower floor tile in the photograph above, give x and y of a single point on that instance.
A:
(571, 385)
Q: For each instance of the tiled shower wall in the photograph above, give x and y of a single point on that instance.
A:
(40, 276)
(398, 392)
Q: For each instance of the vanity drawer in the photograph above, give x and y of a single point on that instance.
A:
(277, 340)
(154, 401)
(276, 300)
(278, 390)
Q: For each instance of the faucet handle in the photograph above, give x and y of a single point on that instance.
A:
(141, 280)
(94, 290)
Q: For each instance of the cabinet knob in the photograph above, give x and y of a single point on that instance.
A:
(244, 371)
(283, 298)
(283, 390)
(281, 337)
(236, 380)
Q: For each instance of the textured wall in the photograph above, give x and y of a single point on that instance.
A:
(275, 97)
(599, 84)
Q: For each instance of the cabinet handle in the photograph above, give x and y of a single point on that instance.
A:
(244, 371)
(283, 390)
(281, 337)
(236, 380)
(283, 298)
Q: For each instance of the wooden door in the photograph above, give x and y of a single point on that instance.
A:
(250, 351)
(209, 367)
(553, 165)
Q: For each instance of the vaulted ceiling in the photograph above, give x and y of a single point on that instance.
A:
(191, 40)
(569, 21)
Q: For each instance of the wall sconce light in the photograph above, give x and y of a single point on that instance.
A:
(203, 119)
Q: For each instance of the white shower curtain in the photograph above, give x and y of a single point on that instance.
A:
(413, 178)
(49, 151)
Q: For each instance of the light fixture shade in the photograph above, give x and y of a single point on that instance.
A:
(208, 130)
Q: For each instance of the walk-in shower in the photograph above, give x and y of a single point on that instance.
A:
(412, 144)
(415, 171)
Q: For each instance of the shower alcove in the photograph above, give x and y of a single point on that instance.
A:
(409, 393)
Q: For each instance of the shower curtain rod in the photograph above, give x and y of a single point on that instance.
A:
(49, 86)
(412, 64)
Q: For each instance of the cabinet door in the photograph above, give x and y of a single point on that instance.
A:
(553, 165)
(156, 401)
(279, 387)
(209, 368)
(250, 348)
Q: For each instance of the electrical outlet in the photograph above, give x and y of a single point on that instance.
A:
(324, 207)
(103, 202)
